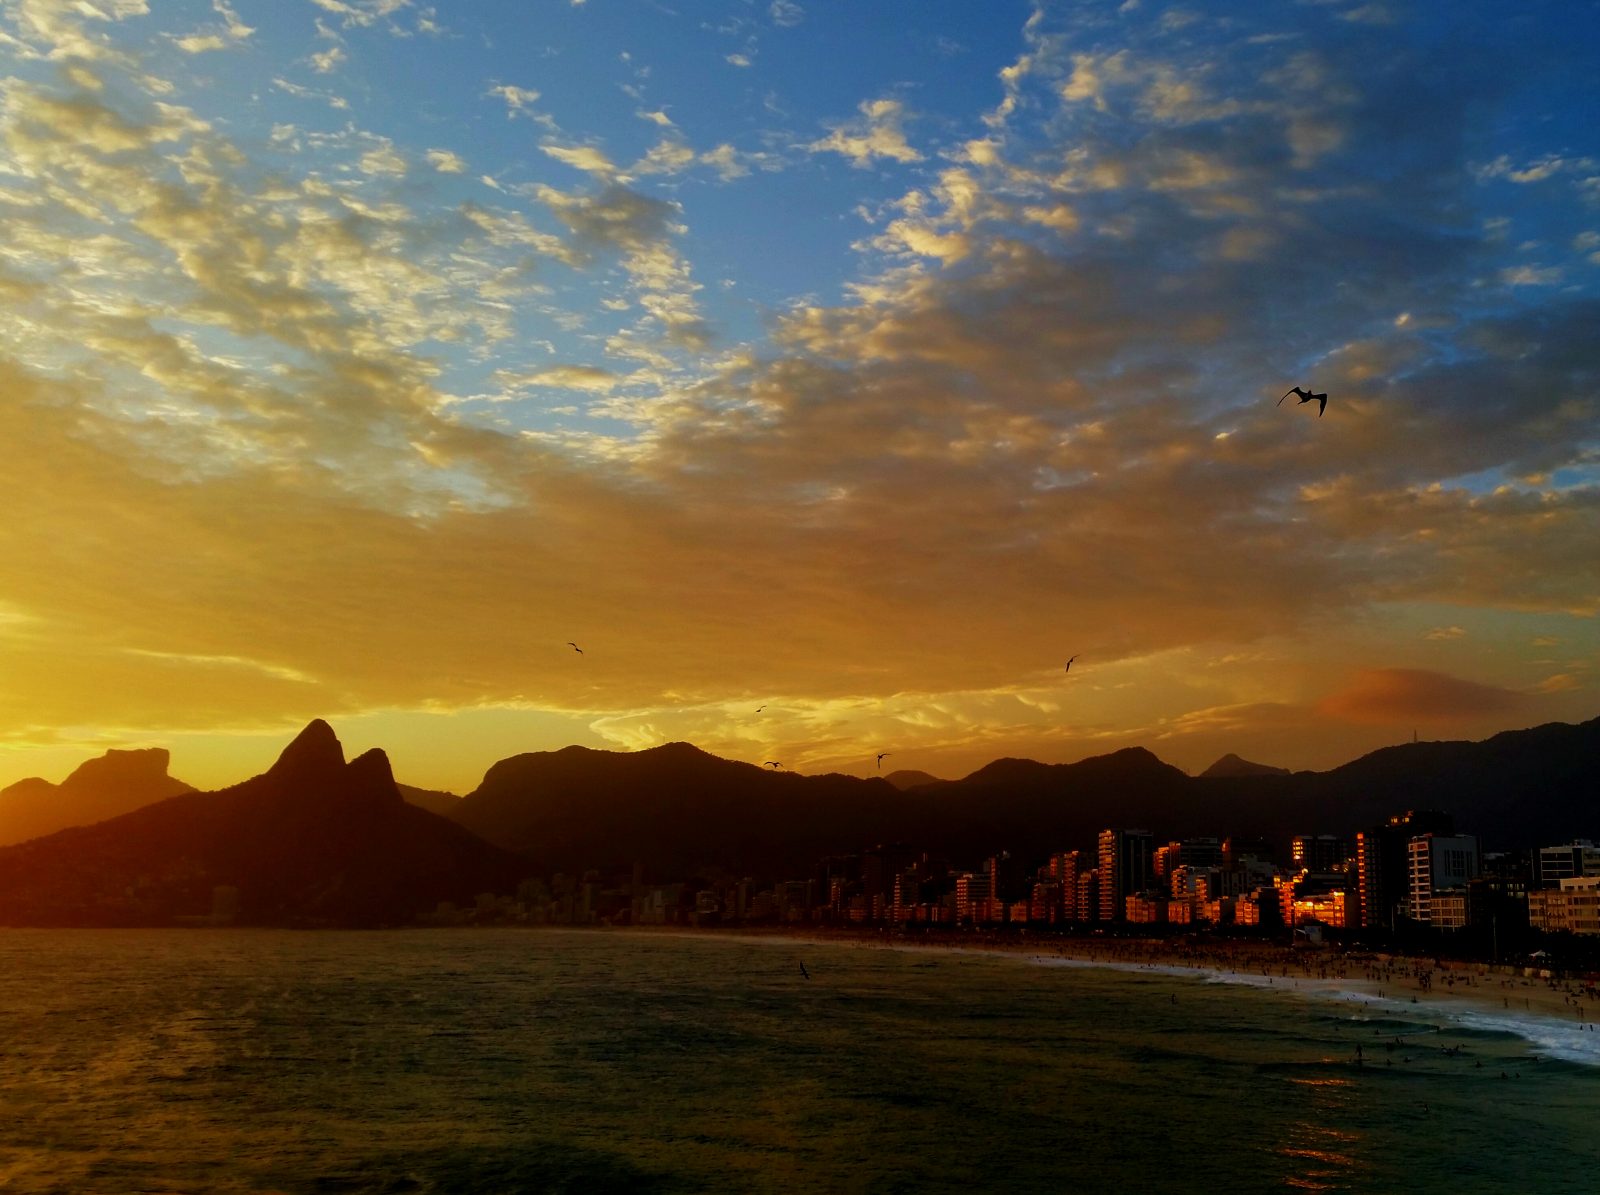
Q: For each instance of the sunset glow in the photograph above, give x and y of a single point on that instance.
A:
(829, 380)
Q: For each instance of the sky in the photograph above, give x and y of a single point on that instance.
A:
(829, 373)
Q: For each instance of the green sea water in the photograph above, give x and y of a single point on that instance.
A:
(509, 1061)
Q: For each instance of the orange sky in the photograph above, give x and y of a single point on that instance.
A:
(295, 430)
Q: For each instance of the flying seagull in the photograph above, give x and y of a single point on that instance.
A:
(1068, 668)
(1305, 397)
(772, 763)
(574, 647)
(881, 756)
(803, 970)
(759, 708)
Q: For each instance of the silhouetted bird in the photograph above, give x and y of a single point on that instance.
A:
(1068, 668)
(759, 708)
(1306, 397)
(881, 756)
(574, 647)
(803, 970)
(772, 763)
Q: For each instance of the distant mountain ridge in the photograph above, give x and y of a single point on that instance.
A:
(908, 778)
(312, 841)
(1230, 766)
(111, 784)
(677, 809)
(316, 840)
(432, 799)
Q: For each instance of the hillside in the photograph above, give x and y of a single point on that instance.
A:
(312, 841)
(112, 784)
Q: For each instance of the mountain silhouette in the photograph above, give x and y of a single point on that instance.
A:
(908, 778)
(676, 808)
(316, 840)
(432, 799)
(681, 811)
(114, 783)
(1230, 766)
(312, 841)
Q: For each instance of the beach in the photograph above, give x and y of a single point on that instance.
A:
(1561, 1016)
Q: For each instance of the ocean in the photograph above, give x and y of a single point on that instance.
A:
(219, 1061)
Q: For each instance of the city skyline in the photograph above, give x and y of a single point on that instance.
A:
(830, 380)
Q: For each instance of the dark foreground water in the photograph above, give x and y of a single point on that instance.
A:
(506, 1061)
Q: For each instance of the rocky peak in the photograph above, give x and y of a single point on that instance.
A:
(119, 767)
(315, 754)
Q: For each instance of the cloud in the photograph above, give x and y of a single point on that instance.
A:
(582, 157)
(1052, 378)
(564, 377)
(640, 229)
(724, 159)
(1446, 633)
(362, 13)
(786, 13)
(1389, 695)
(877, 134)
(517, 99)
(326, 61)
(446, 161)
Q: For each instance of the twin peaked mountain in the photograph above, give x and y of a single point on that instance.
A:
(319, 841)
(313, 840)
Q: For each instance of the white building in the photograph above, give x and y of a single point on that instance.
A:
(1437, 862)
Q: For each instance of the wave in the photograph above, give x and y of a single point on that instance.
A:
(1557, 1039)
(1568, 1041)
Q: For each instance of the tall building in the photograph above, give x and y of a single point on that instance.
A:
(1125, 868)
(1437, 863)
(1065, 868)
(1200, 852)
(1575, 860)
(1089, 895)
(1383, 875)
(1319, 852)
(1008, 880)
(972, 896)
(879, 867)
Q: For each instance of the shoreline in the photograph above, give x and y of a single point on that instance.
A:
(1560, 1017)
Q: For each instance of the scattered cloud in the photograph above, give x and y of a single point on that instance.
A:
(517, 99)
(446, 161)
(582, 157)
(1053, 370)
(877, 134)
(326, 61)
(563, 377)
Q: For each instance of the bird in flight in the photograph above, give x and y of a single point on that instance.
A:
(574, 647)
(772, 763)
(1068, 668)
(881, 756)
(803, 970)
(1305, 397)
(759, 708)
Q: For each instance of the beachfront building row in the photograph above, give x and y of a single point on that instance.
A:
(1413, 869)
(1572, 907)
